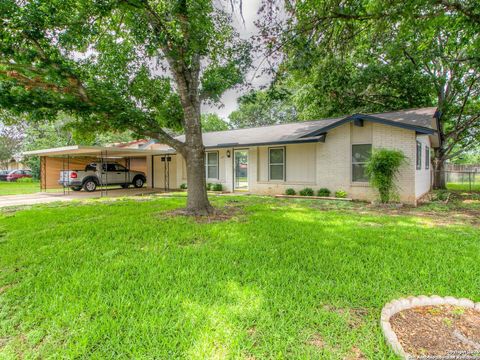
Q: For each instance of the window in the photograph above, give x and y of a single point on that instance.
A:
(419, 155)
(276, 163)
(360, 156)
(427, 158)
(211, 164)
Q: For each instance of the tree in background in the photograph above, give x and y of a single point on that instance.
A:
(267, 107)
(213, 122)
(61, 132)
(144, 66)
(349, 56)
(10, 141)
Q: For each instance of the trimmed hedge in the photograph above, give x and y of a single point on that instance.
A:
(323, 192)
(307, 192)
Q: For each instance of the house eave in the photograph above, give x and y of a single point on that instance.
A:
(312, 139)
(361, 117)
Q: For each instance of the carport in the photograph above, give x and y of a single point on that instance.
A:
(76, 157)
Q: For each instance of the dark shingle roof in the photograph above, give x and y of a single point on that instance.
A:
(415, 119)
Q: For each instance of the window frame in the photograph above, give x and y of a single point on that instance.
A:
(418, 156)
(358, 162)
(427, 157)
(207, 165)
(284, 163)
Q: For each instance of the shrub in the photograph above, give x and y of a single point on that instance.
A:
(341, 194)
(183, 186)
(217, 187)
(441, 195)
(323, 192)
(306, 192)
(382, 169)
(290, 191)
(25, 180)
(209, 186)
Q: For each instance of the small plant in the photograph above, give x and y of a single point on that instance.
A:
(382, 170)
(209, 186)
(323, 192)
(217, 187)
(441, 195)
(25, 180)
(341, 194)
(290, 191)
(183, 186)
(306, 192)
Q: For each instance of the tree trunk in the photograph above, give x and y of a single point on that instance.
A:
(197, 199)
(439, 175)
(194, 152)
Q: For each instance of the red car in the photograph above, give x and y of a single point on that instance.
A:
(14, 175)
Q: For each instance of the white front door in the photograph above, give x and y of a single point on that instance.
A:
(240, 169)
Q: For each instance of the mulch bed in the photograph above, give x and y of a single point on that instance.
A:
(219, 214)
(442, 330)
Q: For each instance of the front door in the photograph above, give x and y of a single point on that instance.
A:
(240, 171)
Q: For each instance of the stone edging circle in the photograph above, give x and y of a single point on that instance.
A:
(401, 304)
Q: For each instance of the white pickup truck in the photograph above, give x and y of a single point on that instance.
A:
(110, 174)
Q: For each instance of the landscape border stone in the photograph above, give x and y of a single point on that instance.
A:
(410, 302)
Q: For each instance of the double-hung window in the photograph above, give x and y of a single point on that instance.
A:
(211, 164)
(427, 158)
(419, 155)
(360, 156)
(276, 163)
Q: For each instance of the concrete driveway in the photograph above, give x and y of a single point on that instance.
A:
(43, 198)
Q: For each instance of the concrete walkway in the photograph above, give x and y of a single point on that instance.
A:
(44, 198)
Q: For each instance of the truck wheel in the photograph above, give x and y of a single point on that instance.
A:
(76, 188)
(89, 185)
(138, 182)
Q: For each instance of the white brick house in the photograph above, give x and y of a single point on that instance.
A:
(328, 153)
(325, 153)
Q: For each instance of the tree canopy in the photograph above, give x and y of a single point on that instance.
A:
(349, 56)
(140, 65)
(213, 122)
(264, 107)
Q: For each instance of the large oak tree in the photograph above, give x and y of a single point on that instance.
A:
(376, 55)
(142, 65)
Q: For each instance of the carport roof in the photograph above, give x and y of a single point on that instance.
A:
(80, 150)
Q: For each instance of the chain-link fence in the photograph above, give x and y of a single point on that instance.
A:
(462, 180)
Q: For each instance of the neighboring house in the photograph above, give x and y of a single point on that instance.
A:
(15, 164)
(328, 153)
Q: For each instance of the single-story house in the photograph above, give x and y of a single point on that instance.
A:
(328, 153)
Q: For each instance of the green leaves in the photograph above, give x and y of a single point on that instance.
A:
(116, 64)
(382, 168)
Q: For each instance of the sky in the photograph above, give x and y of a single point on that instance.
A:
(246, 30)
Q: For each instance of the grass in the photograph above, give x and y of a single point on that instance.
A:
(296, 279)
(463, 186)
(16, 188)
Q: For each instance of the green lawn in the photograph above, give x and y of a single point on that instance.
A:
(296, 279)
(14, 188)
(464, 186)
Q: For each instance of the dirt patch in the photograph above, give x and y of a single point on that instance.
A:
(218, 215)
(355, 354)
(355, 316)
(4, 288)
(442, 330)
(317, 341)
